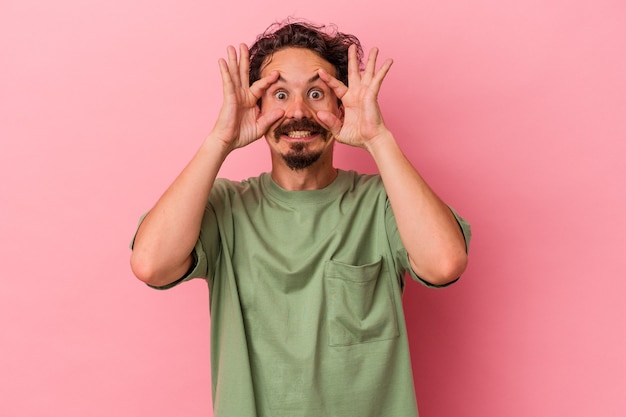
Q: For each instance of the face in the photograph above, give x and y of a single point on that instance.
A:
(299, 138)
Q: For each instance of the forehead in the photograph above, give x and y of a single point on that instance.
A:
(295, 62)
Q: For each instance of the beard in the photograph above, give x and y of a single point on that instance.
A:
(299, 155)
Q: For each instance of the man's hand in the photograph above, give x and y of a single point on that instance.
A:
(427, 227)
(363, 122)
(240, 121)
(167, 236)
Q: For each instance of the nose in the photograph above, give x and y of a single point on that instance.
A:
(298, 109)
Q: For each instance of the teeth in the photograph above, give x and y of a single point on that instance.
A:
(299, 134)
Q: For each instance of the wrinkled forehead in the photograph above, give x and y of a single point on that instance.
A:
(296, 62)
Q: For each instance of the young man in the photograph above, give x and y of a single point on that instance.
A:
(305, 265)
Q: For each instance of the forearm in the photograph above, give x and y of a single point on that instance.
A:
(166, 238)
(427, 227)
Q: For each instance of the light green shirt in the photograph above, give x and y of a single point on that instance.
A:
(305, 296)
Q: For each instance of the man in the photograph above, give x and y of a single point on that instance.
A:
(305, 265)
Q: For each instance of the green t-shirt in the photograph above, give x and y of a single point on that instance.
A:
(305, 297)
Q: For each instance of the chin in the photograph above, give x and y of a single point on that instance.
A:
(297, 161)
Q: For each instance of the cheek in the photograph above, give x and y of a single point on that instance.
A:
(336, 108)
(329, 105)
(266, 103)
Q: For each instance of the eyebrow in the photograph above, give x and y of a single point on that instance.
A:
(311, 80)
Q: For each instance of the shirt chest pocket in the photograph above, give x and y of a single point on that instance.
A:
(360, 303)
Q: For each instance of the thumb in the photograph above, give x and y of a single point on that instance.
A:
(267, 119)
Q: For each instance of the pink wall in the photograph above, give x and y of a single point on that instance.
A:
(514, 111)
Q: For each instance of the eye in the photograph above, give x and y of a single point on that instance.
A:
(316, 94)
(280, 95)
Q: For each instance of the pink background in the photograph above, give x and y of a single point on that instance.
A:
(514, 111)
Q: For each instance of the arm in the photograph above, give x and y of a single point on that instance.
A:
(166, 238)
(427, 227)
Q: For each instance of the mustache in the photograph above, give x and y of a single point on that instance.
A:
(302, 125)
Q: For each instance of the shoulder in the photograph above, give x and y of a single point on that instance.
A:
(225, 185)
(363, 183)
(229, 190)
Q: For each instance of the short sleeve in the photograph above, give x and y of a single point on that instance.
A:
(466, 229)
(401, 255)
(196, 270)
(200, 267)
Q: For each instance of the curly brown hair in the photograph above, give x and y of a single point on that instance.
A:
(326, 41)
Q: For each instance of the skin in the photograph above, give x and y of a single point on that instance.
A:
(296, 85)
(300, 93)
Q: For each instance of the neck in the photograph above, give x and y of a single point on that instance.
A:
(315, 177)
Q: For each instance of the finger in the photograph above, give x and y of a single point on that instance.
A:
(233, 65)
(244, 64)
(337, 86)
(268, 119)
(330, 122)
(381, 74)
(354, 73)
(227, 82)
(370, 68)
(259, 87)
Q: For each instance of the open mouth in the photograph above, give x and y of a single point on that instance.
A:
(299, 130)
(300, 134)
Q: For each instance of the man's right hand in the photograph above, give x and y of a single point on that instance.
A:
(168, 234)
(240, 121)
